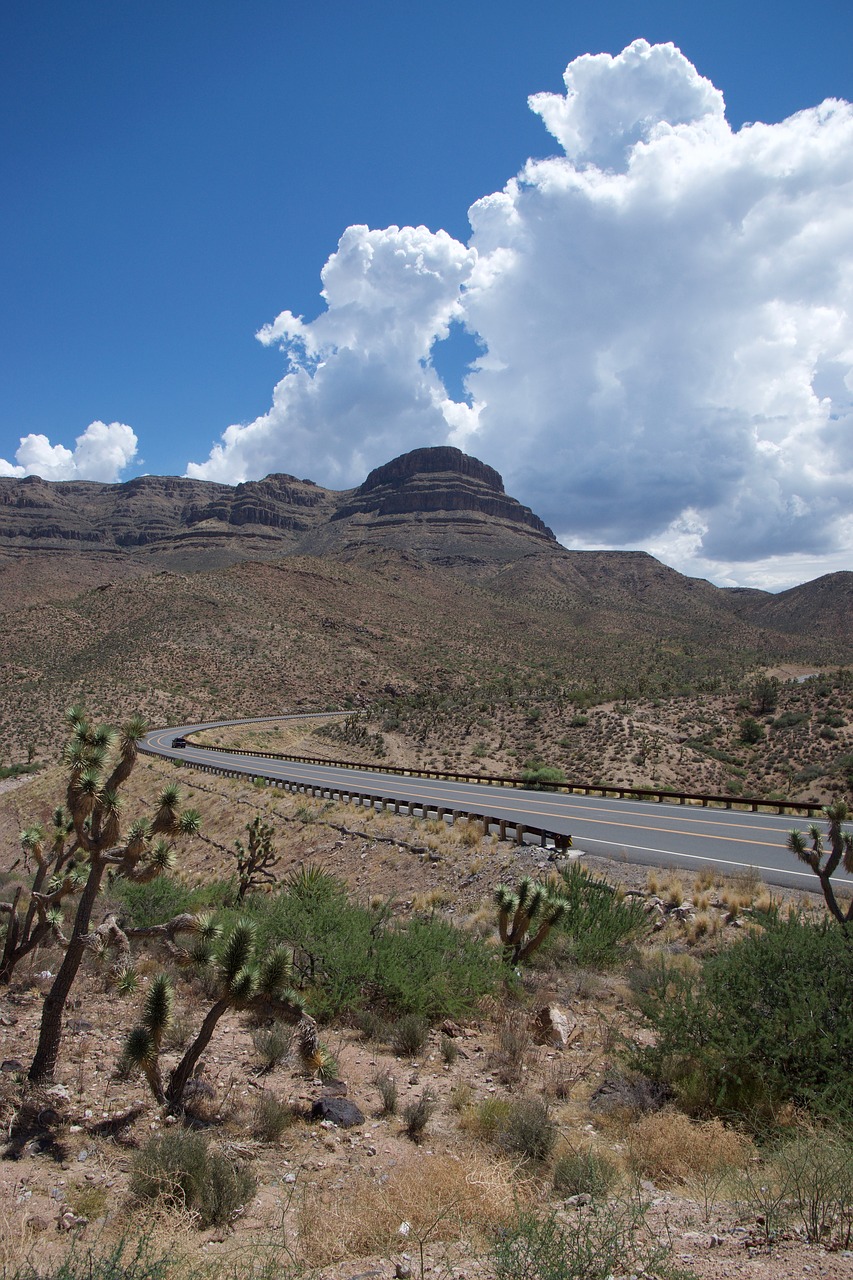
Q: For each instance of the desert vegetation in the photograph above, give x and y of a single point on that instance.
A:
(654, 1084)
(680, 741)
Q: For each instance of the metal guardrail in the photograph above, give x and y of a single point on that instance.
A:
(517, 831)
(753, 804)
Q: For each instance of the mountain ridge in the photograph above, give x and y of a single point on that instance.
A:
(431, 507)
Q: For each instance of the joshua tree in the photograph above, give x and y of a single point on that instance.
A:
(825, 862)
(526, 917)
(242, 982)
(36, 922)
(765, 694)
(255, 863)
(100, 761)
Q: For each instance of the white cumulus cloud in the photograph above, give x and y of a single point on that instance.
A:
(665, 311)
(101, 453)
(359, 387)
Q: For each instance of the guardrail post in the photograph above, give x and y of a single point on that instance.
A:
(519, 833)
(502, 829)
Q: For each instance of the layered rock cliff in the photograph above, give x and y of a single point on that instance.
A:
(438, 503)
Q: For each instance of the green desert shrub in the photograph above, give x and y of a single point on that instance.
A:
(165, 897)
(816, 1168)
(587, 1244)
(181, 1168)
(583, 1171)
(751, 731)
(353, 961)
(372, 1025)
(409, 1036)
(518, 1127)
(418, 1113)
(529, 1130)
(131, 1258)
(432, 969)
(386, 1084)
(598, 922)
(790, 720)
(539, 776)
(765, 1022)
(273, 1044)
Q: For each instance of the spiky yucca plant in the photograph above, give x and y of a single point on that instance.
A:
(316, 1058)
(242, 981)
(526, 917)
(825, 862)
(99, 762)
(255, 863)
(29, 926)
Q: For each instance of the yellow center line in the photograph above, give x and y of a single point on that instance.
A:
(673, 831)
(404, 789)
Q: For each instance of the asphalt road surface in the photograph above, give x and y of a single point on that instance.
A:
(634, 831)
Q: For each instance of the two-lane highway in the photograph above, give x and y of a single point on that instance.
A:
(631, 830)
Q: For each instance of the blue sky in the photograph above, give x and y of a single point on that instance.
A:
(177, 175)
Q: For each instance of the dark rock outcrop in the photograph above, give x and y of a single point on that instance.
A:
(159, 514)
(442, 479)
(339, 1111)
(438, 504)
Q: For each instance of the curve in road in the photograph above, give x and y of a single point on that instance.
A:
(633, 831)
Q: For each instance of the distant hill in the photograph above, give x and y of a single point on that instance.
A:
(823, 607)
(185, 597)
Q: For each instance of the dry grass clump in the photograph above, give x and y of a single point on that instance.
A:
(705, 924)
(431, 900)
(562, 1076)
(748, 883)
(654, 883)
(440, 1196)
(270, 1117)
(673, 892)
(513, 1048)
(469, 833)
(669, 1147)
(15, 1236)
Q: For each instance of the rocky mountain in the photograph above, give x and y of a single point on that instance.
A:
(439, 504)
(432, 506)
(187, 598)
(161, 517)
(823, 608)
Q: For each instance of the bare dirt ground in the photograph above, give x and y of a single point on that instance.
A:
(334, 1202)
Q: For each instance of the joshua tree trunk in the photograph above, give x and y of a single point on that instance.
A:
(50, 1035)
(182, 1072)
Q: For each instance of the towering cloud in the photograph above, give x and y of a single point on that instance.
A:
(360, 387)
(666, 319)
(102, 452)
